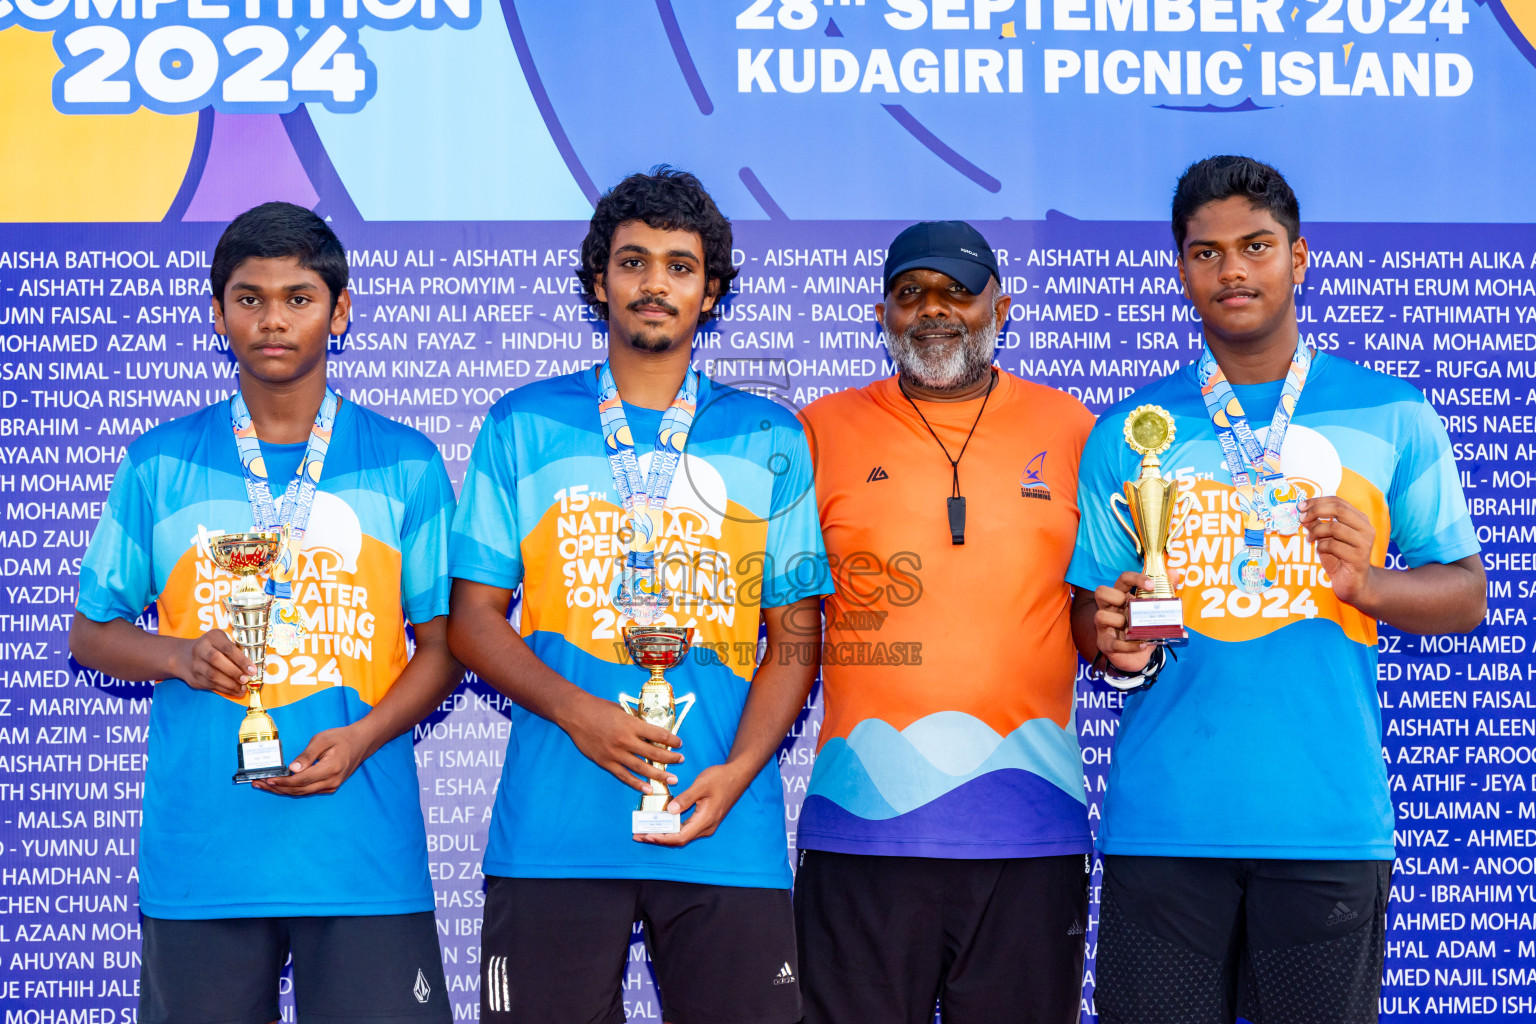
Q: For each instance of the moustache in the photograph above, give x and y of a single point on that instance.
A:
(661, 304)
(937, 325)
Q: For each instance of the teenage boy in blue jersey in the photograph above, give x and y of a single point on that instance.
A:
(328, 863)
(1247, 831)
(592, 492)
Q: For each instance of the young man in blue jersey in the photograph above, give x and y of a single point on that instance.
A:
(1247, 830)
(327, 863)
(639, 492)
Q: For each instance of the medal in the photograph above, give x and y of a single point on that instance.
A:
(285, 628)
(642, 606)
(1282, 499)
(1251, 571)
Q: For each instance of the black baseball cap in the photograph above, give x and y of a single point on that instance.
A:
(951, 247)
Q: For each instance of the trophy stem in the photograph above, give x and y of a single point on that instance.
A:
(257, 726)
(658, 707)
(1157, 574)
(260, 752)
(657, 648)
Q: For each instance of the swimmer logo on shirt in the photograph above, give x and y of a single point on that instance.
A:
(1030, 484)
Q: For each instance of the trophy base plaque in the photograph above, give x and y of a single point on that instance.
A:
(1158, 619)
(260, 759)
(648, 823)
(653, 818)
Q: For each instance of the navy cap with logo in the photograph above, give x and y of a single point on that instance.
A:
(951, 247)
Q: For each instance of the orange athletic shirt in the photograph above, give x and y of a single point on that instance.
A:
(948, 669)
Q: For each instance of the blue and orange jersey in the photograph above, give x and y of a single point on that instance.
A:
(374, 557)
(539, 512)
(1263, 739)
(948, 669)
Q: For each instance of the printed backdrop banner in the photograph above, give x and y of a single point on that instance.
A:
(457, 146)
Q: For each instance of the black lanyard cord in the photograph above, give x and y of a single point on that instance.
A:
(956, 504)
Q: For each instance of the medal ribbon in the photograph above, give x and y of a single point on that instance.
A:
(1250, 464)
(640, 495)
(298, 498)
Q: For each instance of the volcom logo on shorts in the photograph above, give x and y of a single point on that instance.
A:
(421, 990)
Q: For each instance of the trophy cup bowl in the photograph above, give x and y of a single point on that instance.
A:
(245, 554)
(1150, 502)
(1154, 613)
(259, 751)
(657, 648)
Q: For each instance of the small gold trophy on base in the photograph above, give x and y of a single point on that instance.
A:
(1156, 613)
(250, 607)
(657, 648)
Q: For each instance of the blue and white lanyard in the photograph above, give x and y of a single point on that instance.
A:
(638, 587)
(1256, 472)
(298, 498)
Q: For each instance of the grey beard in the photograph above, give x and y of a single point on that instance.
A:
(954, 366)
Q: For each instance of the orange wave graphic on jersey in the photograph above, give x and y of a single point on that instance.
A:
(1215, 608)
(356, 627)
(581, 552)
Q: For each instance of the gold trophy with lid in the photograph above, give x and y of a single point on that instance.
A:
(1155, 613)
(657, 648)
(247, 555)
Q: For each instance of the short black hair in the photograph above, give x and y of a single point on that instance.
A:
(1221, 177)
(666, 199)
(274, 231)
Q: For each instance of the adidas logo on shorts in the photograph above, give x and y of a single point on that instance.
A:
(1340, 914)
(785, 975)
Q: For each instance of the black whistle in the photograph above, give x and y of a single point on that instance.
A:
(956, 508)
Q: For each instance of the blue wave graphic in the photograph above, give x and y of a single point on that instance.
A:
(878, 772)
(1211, 108)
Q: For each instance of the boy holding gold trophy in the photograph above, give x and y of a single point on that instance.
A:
(285, 537)
(1247, 831)
(648, 521)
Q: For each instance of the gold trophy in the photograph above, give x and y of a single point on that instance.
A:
(250, 607)
(1156, 613)
(657, 648)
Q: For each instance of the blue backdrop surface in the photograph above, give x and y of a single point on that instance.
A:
(457, 149)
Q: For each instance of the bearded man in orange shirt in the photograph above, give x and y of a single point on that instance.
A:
(944, 838)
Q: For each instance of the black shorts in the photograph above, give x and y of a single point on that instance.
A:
(882, 939)
(1195, 940)
(362, 969)
(556, 950)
